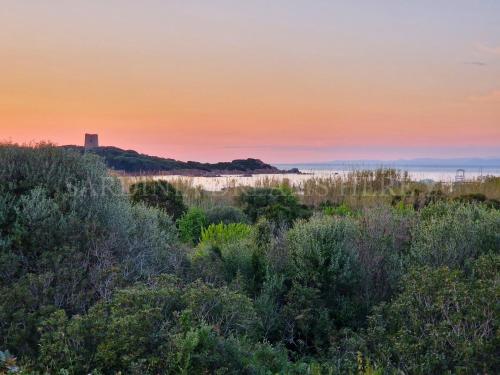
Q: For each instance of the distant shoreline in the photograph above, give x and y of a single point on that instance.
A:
(202, 173)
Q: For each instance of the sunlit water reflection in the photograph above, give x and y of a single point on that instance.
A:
(228, 181)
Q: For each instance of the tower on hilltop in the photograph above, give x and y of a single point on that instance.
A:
(91, 141)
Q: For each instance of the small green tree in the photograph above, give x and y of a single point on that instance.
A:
(159, 194)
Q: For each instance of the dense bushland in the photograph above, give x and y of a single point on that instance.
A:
(95, 280)
(69, 238)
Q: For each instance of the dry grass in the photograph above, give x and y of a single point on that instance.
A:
(361, 188)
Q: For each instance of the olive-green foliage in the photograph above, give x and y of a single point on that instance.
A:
(68, 237)
(90, 283)
(478, 198)
(277, 205)
(382, 247)
(419, 197)
(444, 321)
(191, 225)
(163, 327)
(202, 350)
(269, 305)
(452, 234)
(325, 273)
(229, 311)
(226, 215)
(160, 194)
(128, 332)
(225, 253)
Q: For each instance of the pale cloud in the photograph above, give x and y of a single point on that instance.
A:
(476, 63)
(495, 50)
(491, 97)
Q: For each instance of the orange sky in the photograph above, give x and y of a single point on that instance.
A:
(288, 82)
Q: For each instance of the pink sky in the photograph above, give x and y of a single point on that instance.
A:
(288, 82)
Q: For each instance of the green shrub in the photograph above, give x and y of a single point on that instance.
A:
(161, 327)
(225, 253)
(277, 205)
(322, 255)
(478, 198)
(268, 305)
(202, 350)
(222, 234)
(443, 321)
(129, 330)
(341, 210)
(160, 194)
(229, 311)
(453, 234)
(325, 273)
(191, 225)
(226, 215)
(382, 247)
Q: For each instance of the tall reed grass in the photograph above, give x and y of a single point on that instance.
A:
(357, 188)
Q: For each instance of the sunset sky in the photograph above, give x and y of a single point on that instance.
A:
(281, 80)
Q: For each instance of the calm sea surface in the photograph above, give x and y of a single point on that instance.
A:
(437, 173)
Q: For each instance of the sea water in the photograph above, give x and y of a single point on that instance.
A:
(417, 173)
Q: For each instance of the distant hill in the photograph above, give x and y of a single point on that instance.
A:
(132, 162)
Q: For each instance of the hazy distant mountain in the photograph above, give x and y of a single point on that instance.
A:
(400, 163)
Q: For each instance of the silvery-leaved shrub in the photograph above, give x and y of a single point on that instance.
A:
(453, 234)
(69, 237)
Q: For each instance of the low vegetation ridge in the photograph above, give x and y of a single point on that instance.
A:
(132, 162)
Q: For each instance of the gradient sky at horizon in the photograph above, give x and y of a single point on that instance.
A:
(284, 81)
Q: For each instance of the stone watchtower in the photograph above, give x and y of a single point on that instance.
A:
(91, 141)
